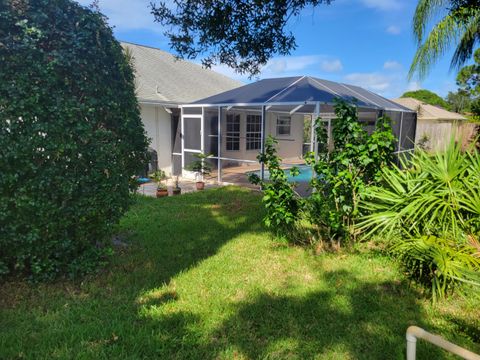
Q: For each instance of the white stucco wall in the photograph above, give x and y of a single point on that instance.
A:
(157, 123)
(289, 146)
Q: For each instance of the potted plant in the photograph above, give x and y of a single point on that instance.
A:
(177, 190)
(159, 176)
(201, 168)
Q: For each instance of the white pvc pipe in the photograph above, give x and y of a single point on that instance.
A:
(414, 333)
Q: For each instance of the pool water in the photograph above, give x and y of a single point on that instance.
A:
(304, 176)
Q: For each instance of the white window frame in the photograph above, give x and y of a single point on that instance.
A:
(255, 137)
(284, 117)
(232, 136)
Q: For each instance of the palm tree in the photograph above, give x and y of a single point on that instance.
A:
(460, 26)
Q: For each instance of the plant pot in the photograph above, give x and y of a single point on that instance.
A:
(200, 185)
(176, 191)
(162, 193)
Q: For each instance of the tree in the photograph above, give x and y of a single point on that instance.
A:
(468, 77)
(459, 101)
(469, 81)
(71, 137)
(459, 26)
(427, 97)
(243, 35)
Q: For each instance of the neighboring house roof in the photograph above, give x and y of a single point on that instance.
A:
(427, 111)
(300, 89)
(161, 78)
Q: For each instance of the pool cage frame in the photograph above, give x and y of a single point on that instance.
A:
(223, 109)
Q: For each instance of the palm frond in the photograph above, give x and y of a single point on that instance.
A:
(466, 45)
(441, 37)
(424, 12)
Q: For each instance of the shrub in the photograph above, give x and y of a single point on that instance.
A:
(281, 202)
(430, 212)
(70, 133)
(343, 172)
(341, 176)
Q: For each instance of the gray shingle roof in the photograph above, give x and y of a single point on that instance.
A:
(161, 78)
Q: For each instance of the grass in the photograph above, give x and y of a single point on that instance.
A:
(202, 279)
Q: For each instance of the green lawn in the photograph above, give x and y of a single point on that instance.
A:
(202, 279)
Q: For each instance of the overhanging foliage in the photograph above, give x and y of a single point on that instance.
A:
(243, 35)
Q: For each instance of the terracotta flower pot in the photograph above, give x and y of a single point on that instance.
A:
(176, 191)
(162, 193)
(200, 185)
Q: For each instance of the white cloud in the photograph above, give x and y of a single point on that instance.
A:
(373, 81)
(413, 86)
(334, 65)
(286, 64)
(232, 74)
(392, 65)
(127, 14)
(384, 5)
(393, 30)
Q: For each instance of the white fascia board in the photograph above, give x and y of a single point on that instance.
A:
(171, 105)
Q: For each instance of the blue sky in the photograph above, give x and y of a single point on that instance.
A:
(363, 42)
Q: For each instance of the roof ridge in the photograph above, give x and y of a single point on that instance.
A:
(286, 88)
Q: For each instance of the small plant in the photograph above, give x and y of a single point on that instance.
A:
(176, 187)
(159, 177)
(201, 168)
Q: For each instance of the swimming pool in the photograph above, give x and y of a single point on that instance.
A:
(304, 176)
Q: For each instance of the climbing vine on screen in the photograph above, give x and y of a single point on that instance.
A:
(342, 170)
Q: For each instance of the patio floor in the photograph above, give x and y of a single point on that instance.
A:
(233, 175)
(187, 186)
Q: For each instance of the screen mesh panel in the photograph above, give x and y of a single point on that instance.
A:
(211, 133)
(192, 133)
(408, 131)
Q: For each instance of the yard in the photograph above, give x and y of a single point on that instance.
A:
(197, 276)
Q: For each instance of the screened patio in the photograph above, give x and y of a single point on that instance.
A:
(231, 127)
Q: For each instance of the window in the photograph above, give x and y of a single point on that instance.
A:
(233, 132)
(283, 125)
(254, 132)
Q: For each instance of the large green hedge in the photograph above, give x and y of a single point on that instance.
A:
(71, 137)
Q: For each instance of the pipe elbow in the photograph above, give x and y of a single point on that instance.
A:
(414, 332)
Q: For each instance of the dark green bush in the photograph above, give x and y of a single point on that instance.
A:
(70, 137)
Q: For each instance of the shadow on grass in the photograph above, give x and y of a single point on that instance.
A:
(348, 320)
(166, 237)
(103, 319)
(174, 234)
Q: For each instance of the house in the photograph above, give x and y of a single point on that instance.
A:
(162, 84)
(435, 125)
(231, 126)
